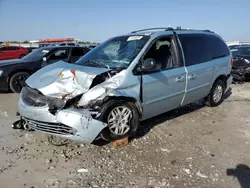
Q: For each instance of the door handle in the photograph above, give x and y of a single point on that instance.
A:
(191, 77)
(179, 79)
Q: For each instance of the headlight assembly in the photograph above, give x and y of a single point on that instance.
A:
(246, 60)
(1, 72)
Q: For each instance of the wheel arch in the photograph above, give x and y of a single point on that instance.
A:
(17, 71)
(222, 77)
(109, 99)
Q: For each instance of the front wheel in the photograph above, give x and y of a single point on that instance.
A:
(17, 81)
(122, 120)
(216, 95)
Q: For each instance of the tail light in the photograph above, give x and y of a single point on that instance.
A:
(231, 60)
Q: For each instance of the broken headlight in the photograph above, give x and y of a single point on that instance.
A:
(33, 97)
(55, 104)
(247, 61)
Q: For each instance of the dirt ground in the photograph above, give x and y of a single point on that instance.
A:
(194, 146)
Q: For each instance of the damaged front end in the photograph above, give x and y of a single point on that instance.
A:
(71, 100)
(241, 73)
(65, 101)
(241, 68)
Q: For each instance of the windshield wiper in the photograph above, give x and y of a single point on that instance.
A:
(96, 64)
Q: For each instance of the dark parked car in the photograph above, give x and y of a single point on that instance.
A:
(241, 63)
(12, 52)
(231, 47)
(31, 49)
(13, 73)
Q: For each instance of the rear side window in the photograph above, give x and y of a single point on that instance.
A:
(3, 49)
(217, 47)
(195, 49)
(12, 48)
(77, 52)
(59, 55)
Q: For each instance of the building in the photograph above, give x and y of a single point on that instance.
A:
(238, 43)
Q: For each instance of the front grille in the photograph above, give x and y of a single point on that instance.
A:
(33, 97)
(54, 128)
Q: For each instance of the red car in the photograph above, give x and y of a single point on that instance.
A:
(12, 52)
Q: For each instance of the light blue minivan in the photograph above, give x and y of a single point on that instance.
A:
(125, 80)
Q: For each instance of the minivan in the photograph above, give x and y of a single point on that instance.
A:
(125, 80)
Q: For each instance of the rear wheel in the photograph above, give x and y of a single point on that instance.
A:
(122, 120)
(17, 81)
(216, 95)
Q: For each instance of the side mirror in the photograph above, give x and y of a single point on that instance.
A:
(148, 65)
(44, 62)
(44, 59)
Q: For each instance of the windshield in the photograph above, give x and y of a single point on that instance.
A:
(36, 55)
(116, 53)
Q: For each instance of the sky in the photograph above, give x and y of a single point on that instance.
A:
(98, 20)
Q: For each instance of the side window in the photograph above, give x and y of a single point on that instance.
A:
(77, 52)
(162, 52)
(70, 44)
(217, 47)
(3, 49)
(59, 54)
(195, 49)
(13, 48)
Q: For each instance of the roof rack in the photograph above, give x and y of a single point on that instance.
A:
(156, 28)
(170, 29)
(206, 30)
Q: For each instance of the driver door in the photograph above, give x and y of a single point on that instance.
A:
(163, 89)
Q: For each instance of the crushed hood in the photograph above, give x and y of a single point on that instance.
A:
(64, 80)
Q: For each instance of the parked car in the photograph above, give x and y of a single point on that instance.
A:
(92, 46)
(31, 49)
(42, 45)
(124, 80)
(12, 52)
(241, 63)
(63, 44)
(231, 47)
(67, 44)
(13, 73)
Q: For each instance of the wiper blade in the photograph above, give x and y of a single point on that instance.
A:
(96, 64)
(91, 63)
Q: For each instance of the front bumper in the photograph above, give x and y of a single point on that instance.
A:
(72, 124)
(241, 73)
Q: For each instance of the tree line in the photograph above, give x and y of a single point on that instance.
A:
(27, 42)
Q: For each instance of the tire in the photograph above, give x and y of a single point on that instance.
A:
(109, 134)
(219, 87)
(21, 56)
(17, 81)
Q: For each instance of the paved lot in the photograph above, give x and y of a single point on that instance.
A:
(194, 146)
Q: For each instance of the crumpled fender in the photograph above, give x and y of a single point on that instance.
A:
(64, 80)
(118, 85)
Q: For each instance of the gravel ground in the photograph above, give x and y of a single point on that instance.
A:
(194, 146)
